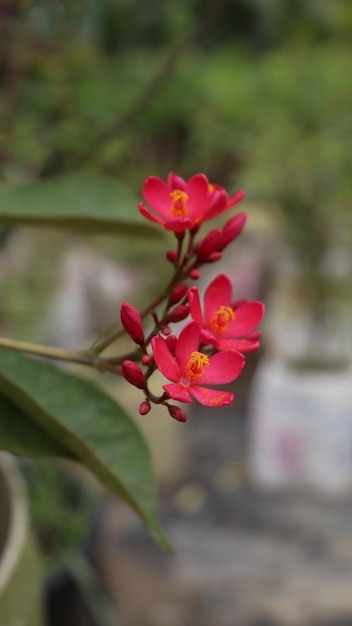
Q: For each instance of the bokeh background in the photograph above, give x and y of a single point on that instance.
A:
(256, 498)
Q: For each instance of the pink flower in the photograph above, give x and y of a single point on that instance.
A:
(179, 205)
(224, 326)
(189, 370)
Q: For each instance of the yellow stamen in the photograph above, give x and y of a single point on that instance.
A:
(211, 188)
(197, 362)
(179, 203)
(222, 317)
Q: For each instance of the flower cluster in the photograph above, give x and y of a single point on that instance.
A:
(211, 346)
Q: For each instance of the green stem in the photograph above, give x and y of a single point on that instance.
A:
(59, 354)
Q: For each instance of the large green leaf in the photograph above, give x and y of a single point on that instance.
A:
(84, 202)
(54, 411)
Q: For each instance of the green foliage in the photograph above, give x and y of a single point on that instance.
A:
(49, 411)
(87, 203)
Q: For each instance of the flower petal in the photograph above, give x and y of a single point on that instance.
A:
(211, 397)
(194, 305)
(217, 294)
(241, 345)
(198, 196)
(178, 392)
(157, 194)
(146, 213)
(219, 205)
(188, 342)
(163, 358)
(178, 224)
(247, 317)
(176, 182)
(224, 367)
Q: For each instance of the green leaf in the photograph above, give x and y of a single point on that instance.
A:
(84, 202)
(57, 410)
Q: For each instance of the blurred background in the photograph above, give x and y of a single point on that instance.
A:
(256, 498)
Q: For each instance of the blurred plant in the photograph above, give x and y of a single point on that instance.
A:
(45, 411)
(300, 162)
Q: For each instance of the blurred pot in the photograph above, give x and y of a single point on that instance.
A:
(20, 572)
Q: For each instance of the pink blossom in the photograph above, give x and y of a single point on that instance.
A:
(189, 370)
(179, 205)
(222, 325)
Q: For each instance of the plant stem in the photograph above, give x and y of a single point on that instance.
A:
(50, 352)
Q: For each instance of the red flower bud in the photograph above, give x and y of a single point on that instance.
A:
(178, 314)
(146, 359)
(177, 413)
(171, 256)
(195, 274)
(232, 229)
(132, 322)
(144, 408)
(133, 374)
(178, 293)
(214, 256)
(171, 342)
(166, 331)
(209, 244)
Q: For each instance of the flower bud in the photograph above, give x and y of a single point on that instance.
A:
(209, 244)
(178, 293)
(195, 274)
(171, 342)
(166, 331)
(146, 359)
(132, 322)
(144, 407)
(177, 413)
(231, 230)
(171, 256)
(133, 374)
(178, 314)
(214, 256)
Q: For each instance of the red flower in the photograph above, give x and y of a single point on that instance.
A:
(189, 370)
(179, 205)
(224, 326)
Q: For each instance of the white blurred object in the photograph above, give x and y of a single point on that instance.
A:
(88, 299)
(301, 428)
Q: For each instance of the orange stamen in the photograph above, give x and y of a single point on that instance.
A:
(197, 362)
(179, 203)
(222, 317)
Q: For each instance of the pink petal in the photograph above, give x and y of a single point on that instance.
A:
(178, 224)
(224, 367)
(194, 305)
(157, 194)
(144, 211)
(188, 342)
(176, 182)
(241, 345)
(236, 198)
(164, 359)
(198, 196)
(211, 397)
(218, 205)
(177, 392)
(217, 294)
(247, 317)
(207, 337)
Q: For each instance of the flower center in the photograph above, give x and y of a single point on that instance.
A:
(222, 317)
(179, 203)
(211, 188)
(197, 362)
